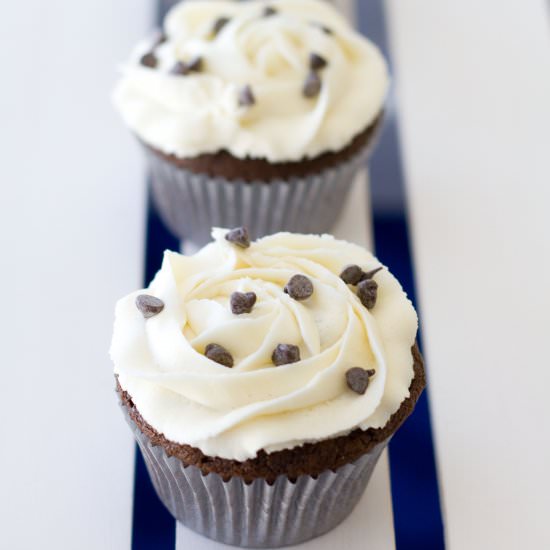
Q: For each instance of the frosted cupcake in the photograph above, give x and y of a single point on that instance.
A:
(262, 381)
(253, 113)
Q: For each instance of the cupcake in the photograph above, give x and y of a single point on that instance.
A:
(253, 113)
(263, 379)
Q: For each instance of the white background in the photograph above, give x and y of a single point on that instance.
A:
(473, 89)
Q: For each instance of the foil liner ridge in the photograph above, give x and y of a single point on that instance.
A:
(258, 514)
(191, 203)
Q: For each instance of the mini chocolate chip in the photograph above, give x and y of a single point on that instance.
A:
(358, 379)
(242, 302)
(239, 237)
(317, 62)
(284, 354)
(219, 24)
(246, 97)
(181, 68)
(312, 85)
(324, 28)
(367, 291)
(370, 274)
(299, 287)
(269, 11)
(149, 305)
(195, 65)
(149, 60)
(161, 39)
(351, 274)
(219, 354)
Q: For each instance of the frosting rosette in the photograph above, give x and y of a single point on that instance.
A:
(234, 412)
(284, 80)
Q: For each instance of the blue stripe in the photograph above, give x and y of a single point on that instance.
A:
(415, 492)
(152, 525)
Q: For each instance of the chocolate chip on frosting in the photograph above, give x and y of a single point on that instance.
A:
(352, 274)
(284, 354)
(242, 302)
(299, 287)
(219, 354)
(321, 27)
(195, 65)
(246, 97)
(312, 85)
(358, 379)
(239, 237)
(317, 62)
(370, 274)
(149, 305)
(181, 68)
(160, 39)
(219, 24)
(367, 291)
(149, 60)
(269, 11)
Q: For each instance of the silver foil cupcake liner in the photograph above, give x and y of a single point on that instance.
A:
(190, 204)
(259, 514)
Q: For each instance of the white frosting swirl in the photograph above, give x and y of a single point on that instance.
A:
(200, 113)
(235, 412)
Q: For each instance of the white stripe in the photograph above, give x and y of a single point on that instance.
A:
(474, 90)
(71, 239)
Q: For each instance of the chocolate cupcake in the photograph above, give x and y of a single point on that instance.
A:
(253, 113)
(263, 379)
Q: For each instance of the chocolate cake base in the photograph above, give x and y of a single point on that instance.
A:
(224, 164)
(309, 459)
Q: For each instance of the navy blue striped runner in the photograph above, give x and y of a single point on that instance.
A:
(415, 495)
(153, 527)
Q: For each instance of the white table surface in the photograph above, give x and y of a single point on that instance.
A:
(473, 89)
